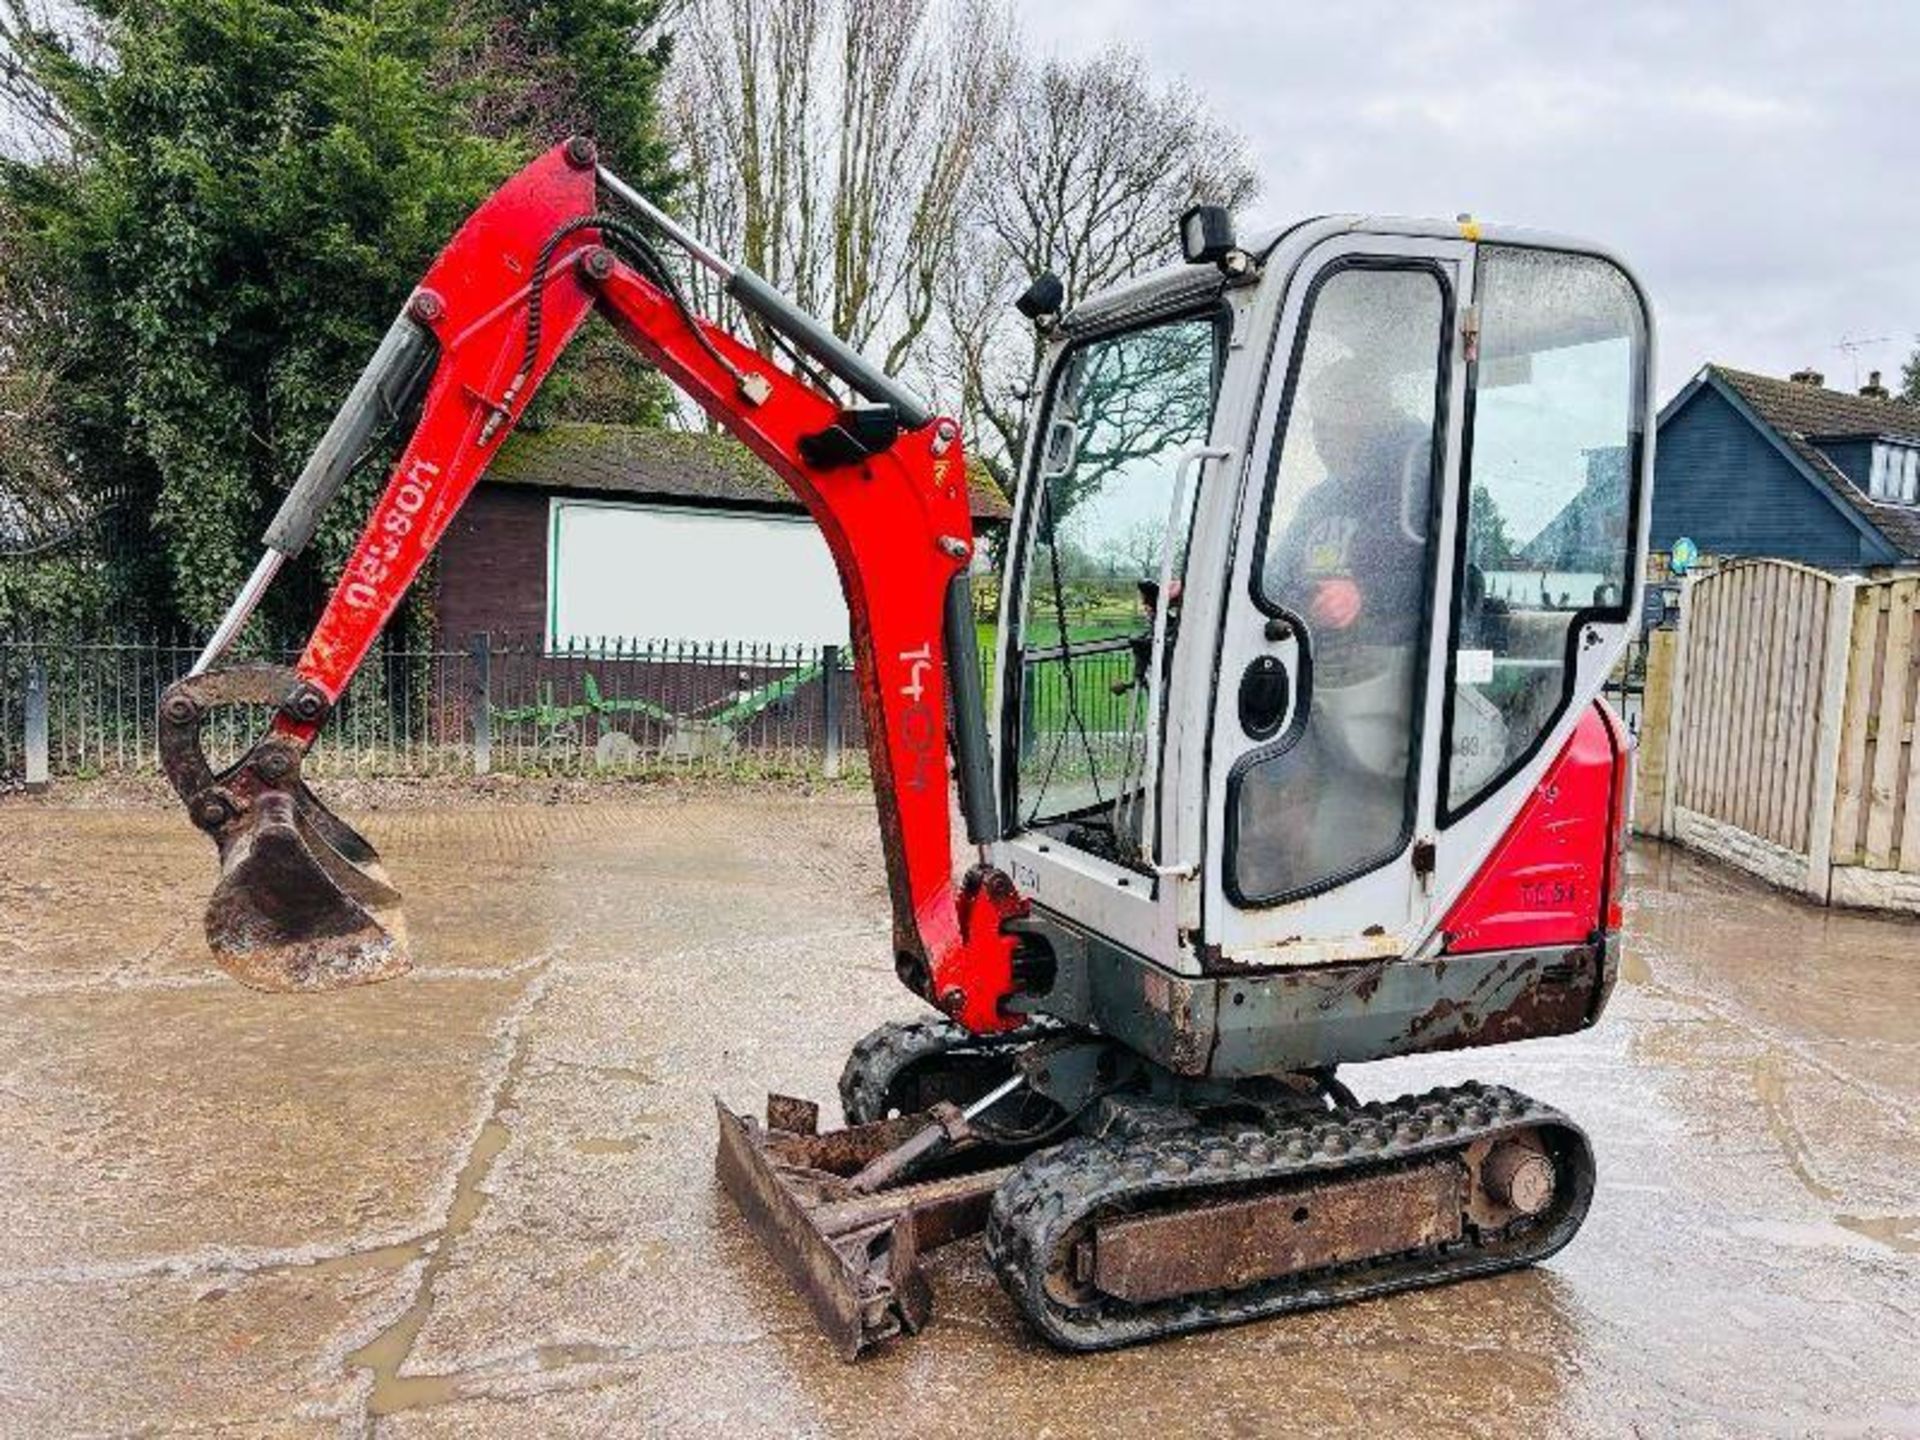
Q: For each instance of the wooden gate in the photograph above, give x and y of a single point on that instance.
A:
(1789, 746)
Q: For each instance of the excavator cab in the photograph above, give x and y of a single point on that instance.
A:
(1323, 553)
(1318, 569)
(1323, 550)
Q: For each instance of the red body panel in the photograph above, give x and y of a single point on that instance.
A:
(898, 526)
(1551, 880)
(474, 300)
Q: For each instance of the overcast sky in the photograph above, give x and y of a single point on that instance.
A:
(1758, 165)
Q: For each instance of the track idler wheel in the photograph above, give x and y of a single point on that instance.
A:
(302, 902)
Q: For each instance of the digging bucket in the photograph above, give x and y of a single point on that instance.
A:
(302, 902)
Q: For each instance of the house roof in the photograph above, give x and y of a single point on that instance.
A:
(636, 462)
(1801, 416)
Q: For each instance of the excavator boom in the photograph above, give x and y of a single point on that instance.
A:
(301, 902)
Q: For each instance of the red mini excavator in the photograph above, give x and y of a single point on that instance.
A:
(1325, 544)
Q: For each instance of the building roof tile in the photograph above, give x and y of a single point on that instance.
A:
(636, 462)
(1803, 415)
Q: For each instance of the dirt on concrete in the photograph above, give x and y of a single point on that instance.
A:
(480, 1199)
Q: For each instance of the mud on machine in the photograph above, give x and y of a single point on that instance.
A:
(1325, 543)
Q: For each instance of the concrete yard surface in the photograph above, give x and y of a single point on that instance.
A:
(479, 1199)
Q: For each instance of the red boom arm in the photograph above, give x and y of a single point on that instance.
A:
(897, 523)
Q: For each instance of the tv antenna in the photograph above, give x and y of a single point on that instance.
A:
(1852, 348)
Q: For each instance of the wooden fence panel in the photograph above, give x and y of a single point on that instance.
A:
(1791, 742)
(1799, 701)
(1909, 789)
(1792, 723)
(1877, 813)
(1755, 658)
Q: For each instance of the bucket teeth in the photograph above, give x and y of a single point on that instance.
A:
(292, 913)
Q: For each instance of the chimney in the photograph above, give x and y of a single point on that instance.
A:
(1873, 389)
(1808, 376)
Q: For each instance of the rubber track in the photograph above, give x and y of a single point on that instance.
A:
(1056, 1191)
(885, 1052)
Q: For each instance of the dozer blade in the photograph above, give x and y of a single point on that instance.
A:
(303, 902)
(855, 1257)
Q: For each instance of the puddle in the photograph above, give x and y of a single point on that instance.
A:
(1803, 1234)
(615, 1072)
(598, 1263)
(1771, 1087)
(1899, 1233)
(388, 1351)
(386, 1257)
(559, 1357)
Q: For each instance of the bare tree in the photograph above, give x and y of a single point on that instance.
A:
(897, 169)
(830, 144)
(1091, 166)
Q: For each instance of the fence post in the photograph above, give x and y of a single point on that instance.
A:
(1652, 762)
(480, 650)
(830, 711)
(1677, 757)
(36, 718)
(1830, 716)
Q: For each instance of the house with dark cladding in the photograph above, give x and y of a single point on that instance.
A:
(584, 536)
(1751, 465)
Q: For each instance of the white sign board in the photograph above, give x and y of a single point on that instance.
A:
(643, 572)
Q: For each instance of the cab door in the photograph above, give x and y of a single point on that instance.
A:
(1323, 771)
(1093, 617)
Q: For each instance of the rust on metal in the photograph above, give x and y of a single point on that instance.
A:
(290, 912)
(841, 1152)
(855, 1258)
(944, 1210)
(799, 1117)
(832, 1286)
(1539, 1004)
(1512, 1178)
(1234, 1243)
(1519, 1176)
(945, 1128)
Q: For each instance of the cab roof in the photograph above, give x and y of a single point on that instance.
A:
(1180, 286)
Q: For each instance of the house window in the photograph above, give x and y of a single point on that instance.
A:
(1895, 477)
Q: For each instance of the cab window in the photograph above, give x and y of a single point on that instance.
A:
(1546, 537)
(1346, 557)
(1122, 411)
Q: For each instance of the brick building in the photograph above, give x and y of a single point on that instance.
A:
(588, 532)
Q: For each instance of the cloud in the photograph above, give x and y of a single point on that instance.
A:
(1754, 162)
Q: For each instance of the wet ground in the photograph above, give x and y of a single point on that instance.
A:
(479, 1200)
